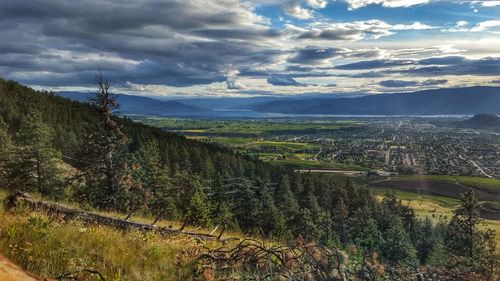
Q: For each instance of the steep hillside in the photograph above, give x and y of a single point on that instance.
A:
(472, 100)
(125, 168)
(69, 120)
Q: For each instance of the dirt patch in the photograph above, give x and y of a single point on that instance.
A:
(12, 272)
(491, 211)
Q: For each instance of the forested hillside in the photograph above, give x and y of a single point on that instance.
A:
(77, 152)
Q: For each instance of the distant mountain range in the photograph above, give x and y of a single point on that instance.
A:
(450, 101)
(481, 121)
(246, 102)
(144, 105)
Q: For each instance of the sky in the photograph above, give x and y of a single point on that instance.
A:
(237, 48)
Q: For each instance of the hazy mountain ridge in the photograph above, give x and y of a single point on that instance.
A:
(460, 101)
(143, 105)
(486, 121)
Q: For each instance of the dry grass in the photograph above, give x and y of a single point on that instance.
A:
(50, 247)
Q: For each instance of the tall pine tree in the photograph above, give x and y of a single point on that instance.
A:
(35, 166)
(5, 153)
(103, 152)
(474, 248)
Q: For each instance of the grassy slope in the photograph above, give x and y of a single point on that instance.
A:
(436, 208)
(48, 247)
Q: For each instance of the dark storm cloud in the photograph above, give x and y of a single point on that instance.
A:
(372, 64)
(404, 83)
(370, 74)
(433, 82)
(178, 43)
(448, 60)
(397, 83)
(283, 80)
(313, 55)
(449, 65)
(330, 34)
(484, 66)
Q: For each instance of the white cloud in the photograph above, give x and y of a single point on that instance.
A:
(352, 31)
(317, 4)
(294, 9)
(414, 26)
(355, 4)
(491, 3)
(232, 80)
(491, 25)
(487, 3)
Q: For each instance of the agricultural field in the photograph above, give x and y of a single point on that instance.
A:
(246, 127)
(442, 187)
(271, 140)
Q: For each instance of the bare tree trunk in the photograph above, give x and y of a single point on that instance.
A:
(183, 226)
(214, 230)
(221, 232)
(129, 215)
(157, 218)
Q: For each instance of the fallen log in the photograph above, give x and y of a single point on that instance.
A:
(24, 199)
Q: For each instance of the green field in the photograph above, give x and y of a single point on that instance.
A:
(249, 143)
(443, 201)
(475, 182)
(244, 127)
(258, 138)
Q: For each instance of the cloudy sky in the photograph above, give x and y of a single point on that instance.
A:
(191, 48)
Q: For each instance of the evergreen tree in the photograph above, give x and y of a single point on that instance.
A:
(35, 164)
(313, 220)
(220, 197)
(363, 231)
(133, 196)
(340, 215)
(198, 213)
(474, 248)
(156, 181)
(104, 152)
(246, 207)
(426, 239)
(192, 202)
(5, 153)
(270, 219)
(397, 248)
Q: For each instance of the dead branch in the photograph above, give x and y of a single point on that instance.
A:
(255, 260)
